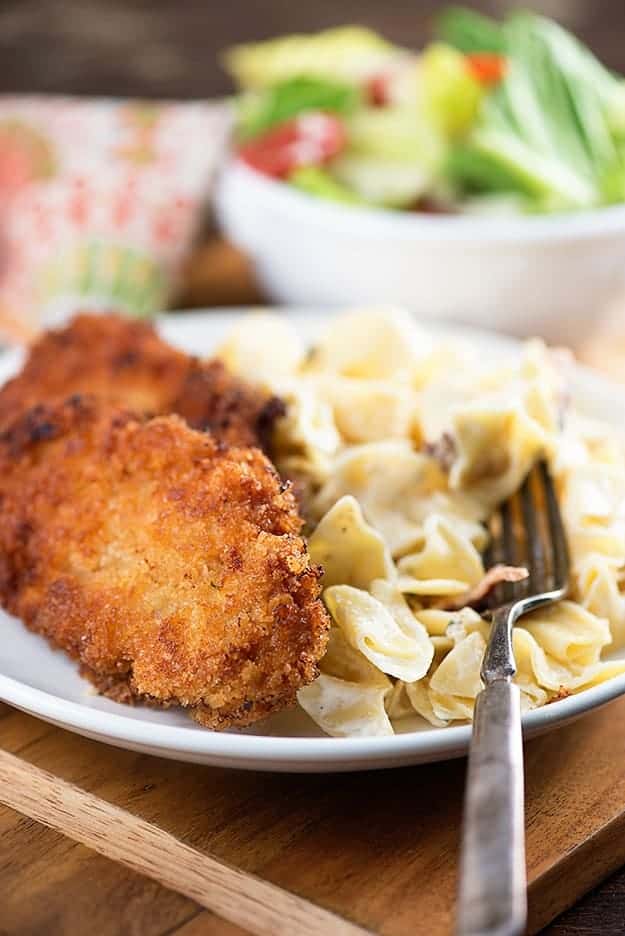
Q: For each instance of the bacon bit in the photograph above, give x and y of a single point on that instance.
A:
(495, 575)
(444, 450)
(487, 67)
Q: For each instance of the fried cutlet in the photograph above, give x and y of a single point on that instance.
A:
(169, 564)
(124, 361)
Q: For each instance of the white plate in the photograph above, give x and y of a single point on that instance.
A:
(46, 683)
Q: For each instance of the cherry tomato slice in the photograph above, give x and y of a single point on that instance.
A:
(488, 67)
(308, 140)
(377, 90)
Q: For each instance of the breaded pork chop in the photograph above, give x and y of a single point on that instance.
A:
(125, 361)
(169, 564)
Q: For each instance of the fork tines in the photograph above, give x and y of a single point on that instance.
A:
(527, 531)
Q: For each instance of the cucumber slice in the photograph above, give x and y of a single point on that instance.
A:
(388, 183)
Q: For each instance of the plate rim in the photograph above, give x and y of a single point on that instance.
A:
(282, 749)
(269, 750)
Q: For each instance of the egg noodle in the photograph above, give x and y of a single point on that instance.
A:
(403, 445)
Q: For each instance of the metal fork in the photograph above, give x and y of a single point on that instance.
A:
(527, 530)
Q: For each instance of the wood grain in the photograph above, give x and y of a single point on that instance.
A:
(51, 885)
(204, 924)
(372, 851)
(144, 847)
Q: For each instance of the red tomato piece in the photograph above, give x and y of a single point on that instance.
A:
(488, 67)
(308, 140)
(377, 90)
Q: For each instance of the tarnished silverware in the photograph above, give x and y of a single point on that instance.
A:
(526, 531)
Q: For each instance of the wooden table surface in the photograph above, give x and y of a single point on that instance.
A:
(52, 885)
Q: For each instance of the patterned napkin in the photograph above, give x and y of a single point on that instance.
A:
(100, 201)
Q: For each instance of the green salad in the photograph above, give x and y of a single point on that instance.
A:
(491, 117)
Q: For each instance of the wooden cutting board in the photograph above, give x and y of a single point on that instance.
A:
(311, 855)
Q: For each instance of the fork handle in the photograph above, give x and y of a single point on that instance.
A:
(492, 898)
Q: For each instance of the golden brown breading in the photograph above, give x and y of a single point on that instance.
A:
(169, 564)
(124, 361)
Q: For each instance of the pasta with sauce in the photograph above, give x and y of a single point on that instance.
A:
(403, 445)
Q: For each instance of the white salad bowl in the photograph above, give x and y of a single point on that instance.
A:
(553, 276)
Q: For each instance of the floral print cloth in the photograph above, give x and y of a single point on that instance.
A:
(100, 201)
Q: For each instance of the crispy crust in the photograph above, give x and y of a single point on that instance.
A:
(169, 564)
(124, 361)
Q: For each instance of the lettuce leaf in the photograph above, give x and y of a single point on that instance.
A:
(317, 181)
(469, 31)
(346, 53)
(259, 111)
(546, 128)
(396, 133)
